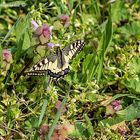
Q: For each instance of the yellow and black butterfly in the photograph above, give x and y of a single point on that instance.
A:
(57, 65)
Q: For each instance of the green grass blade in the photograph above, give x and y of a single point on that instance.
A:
(94, 64)
(13, 4)
(43, 110)
(89, 67)
(0, 53)
(70, 4)
(106, 39)
(10, 31)
(60, 6)
(47, 81)
(58, 114)
(96, 8)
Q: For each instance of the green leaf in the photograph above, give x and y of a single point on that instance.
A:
(131, 29)
(22, 30)
(79, 132)
(110, 122)
(21, 27)
(122, 95)
(89, 126)
(135, 64)
(26, 41)
(119, 11)
(131, 112)
(133, 84)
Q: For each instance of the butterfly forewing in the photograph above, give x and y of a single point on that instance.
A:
(73, 49)
(57, 65)
(41, 67)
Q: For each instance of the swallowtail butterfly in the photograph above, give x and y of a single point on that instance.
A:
(57, 65)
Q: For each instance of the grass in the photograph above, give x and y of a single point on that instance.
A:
(98, 99)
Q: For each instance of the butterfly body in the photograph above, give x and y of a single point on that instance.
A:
(57, 65)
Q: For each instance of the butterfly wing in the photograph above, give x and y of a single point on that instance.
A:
(41, 67)
(57, 65)
(73, 49)
(51, 66)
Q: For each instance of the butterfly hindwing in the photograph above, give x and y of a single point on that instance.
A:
(57, 65)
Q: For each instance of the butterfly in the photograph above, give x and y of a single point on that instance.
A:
(57, 65)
